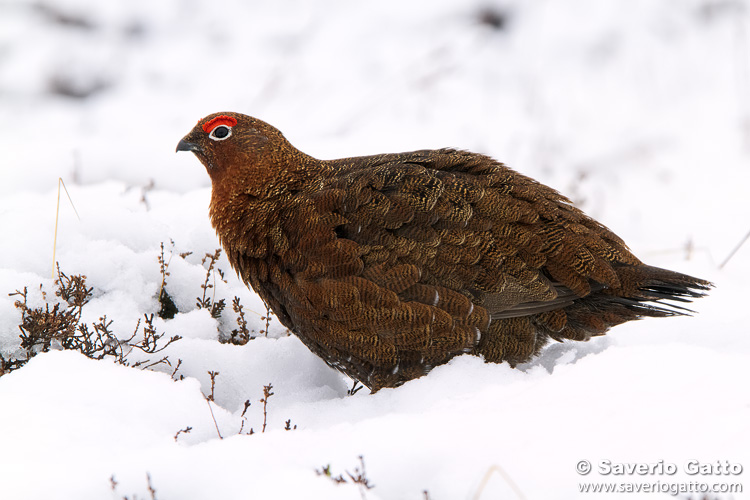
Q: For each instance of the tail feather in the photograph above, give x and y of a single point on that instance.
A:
(644, 291)
(518, 333)
(653, 284)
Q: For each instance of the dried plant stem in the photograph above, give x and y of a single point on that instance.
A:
(61, 326)
(214, 307)
(505, 476)
(186, 430)
(736, 249)
(151, 489)
(266, 394)
(358, 477)
(57, 218)
(164, 265)
(267, 318)
(208, 402)
(213, 375)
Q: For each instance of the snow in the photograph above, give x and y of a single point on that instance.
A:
(638, 110)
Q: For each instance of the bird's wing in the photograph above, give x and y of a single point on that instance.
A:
(450, 221)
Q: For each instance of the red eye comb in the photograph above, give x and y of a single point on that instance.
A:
(219, 120)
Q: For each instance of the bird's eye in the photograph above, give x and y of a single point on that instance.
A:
(220, 133)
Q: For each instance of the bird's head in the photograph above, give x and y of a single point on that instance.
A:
(241, 150)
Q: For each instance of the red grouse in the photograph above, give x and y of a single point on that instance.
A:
(388, 265)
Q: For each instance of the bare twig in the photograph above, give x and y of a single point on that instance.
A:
(266, 394)
(244, 410)
(214, 307)
(186, 430)
(326, 471)
(241, 335)
(244, 419)
(505, 476)
(213, 384)
(168, 308)
(208, 401)
(57, 217)
(174, 372)
(210, 398)
(358, 477)
(151, 489)
(267, 319)
(736, 249)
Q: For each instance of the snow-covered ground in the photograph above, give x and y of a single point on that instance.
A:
(639, 110)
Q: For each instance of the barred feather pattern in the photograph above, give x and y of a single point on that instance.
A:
(386, 266)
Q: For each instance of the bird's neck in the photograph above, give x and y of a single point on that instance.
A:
(247, 208)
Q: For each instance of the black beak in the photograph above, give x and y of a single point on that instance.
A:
(184, 145)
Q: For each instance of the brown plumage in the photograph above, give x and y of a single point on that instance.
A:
(386, 266)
